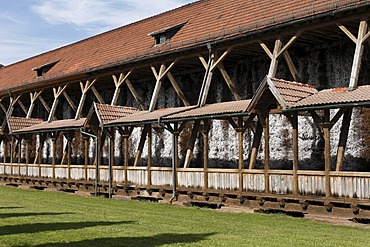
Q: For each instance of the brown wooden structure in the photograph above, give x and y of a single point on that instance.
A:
(72, 116)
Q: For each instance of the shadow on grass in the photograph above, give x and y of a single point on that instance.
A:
(42, 227)
(10, 207)
(152, 241)
(11, 215)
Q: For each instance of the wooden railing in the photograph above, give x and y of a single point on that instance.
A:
(342, 184)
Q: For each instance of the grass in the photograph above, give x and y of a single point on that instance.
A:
(40, 218)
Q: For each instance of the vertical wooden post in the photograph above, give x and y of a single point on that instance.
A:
(6, 147)
(149, 154)
(111, 159)
(11, 149)
(53, 157)
(141, 145)
(274, 59)
(255, 145)
(343, 138)
(357, 59)
(295, 153)
(193, 138)
(326, 129)
(69, 153)
(126, 153)
(266, 133)
(86, 154)
(205, 133)
(240, 132)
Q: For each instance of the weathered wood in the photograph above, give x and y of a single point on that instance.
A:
(193, 138)
(177, 89)
(240, 132)
(206, 82)
(266, 133)
(343, 138)
(357, 59)
(150, 154)
(70, 101)
(118, 83)
(205, 134)
(266, 49)
(294, 122)
(43, 102)
(290, 42)
(347, 32)
(24, 109)
(57, 93)
(141, 144)
(220, 59)
(33, 98)
(274, 60)
(255, 145)
(291, 66)
(97, 95)
(327, 153)
(228, 81)
(137, 97)
(84, 89)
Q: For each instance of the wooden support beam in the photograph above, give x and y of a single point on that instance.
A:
(347, 32)
(43, 102)
(97, 95)
(357, 59)
(150, 155)
(266, 49)
(24, 109)
(220, 59)
(177, 89)
(343, 138)
(159, 77)
(294, 121)
(12, 102)
(228, 81)
(291, 66)
(290, 42)
(33, 98)
(137, 97)
(205, 134)
(274, 60)
(2, 107)
(57, 93)
(193, 138)
(240, 132)
(266, 133)
(84, 89)
(70, 101)
(255, 145)
(141, 144)
(206, 82)
(118, 83)
(327, 153)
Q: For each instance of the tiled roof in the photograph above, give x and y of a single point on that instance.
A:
(141, 117)
(206, 20)
(108, 113)
(54, 125)
(211, 110)
(16, 123)
(293, 92)
(336, 96)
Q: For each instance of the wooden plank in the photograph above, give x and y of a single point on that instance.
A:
(141, 145)
(206, 83)
(357, 59)
(97, 95)
(290, 42)
(189, 151)
(266, 133)
(255, 145)
(205, 134)
(266, 49)
(347, 32)
(240, 133)
(84, 89)
(291, 66)
(150, 154)
(228, 81)
(274, 60)
(157, 87)
(33, 98)
(220, 59)
(137, 97)
(70, 101)
(177, 89)
(294, 123)
(327, 161)
(24, 109)
(43, 102)
(343, 138)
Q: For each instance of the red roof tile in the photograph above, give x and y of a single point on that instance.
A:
(16, 123)
(293, 92)
(108, 113)
(212, 110)
(206, 20)
(54, 125)
(336, 96)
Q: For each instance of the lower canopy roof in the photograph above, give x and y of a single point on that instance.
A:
(58, 125)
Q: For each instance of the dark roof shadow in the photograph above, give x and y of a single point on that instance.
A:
(148, 241)
(42, 227)
(11, 215)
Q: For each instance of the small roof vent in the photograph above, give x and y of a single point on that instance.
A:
(161, 36)
(43, 69)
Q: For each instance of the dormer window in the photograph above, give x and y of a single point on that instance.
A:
(43, 69)
(161, 36)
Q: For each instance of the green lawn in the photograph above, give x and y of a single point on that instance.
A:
(39, 218)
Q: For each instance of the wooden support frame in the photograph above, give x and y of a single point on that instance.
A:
(84, 89)
(57, 93)
(343, 138)
(255, 146)
(118, 83)
(70, 101)
(97, 95)
(362, 36)
(205, 133)
(33, 98)
(141, 144)
(193, 138)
